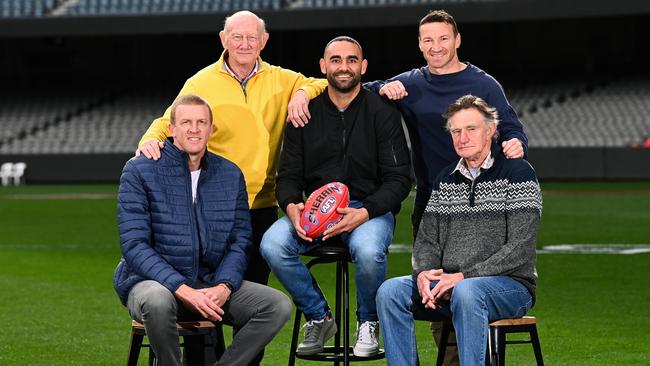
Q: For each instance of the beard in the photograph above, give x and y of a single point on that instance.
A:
(343, 86)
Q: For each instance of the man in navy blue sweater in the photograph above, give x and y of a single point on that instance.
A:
(423, 95)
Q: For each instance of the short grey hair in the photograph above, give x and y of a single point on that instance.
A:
(489, 113)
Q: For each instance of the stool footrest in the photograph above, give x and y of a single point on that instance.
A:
(331, 353)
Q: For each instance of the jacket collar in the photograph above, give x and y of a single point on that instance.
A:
(353, 104)
(261, 66)
(181, 156)
(494, 155)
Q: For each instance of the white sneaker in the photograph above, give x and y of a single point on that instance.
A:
(367, 343)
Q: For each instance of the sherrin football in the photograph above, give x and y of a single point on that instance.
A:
(320, 209)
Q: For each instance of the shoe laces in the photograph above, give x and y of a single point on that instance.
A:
(368, 332)
(311, 328)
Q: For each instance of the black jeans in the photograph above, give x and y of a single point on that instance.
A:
(261, 220)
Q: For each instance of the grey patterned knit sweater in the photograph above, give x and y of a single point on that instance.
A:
(487, 227)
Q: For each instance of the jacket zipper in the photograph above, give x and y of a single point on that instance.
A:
(194, 223)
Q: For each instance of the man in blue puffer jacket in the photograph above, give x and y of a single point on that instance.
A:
(185, 235)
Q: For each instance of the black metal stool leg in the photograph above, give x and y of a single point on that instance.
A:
(337, 313)
(346, 304)
(534, 339)
(294, 338)
(442, 347)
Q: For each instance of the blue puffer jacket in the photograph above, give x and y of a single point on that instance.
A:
(165, 238)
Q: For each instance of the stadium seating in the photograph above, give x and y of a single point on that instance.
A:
(144, 7)
(575, 113)
(580, 114)
(25, 8)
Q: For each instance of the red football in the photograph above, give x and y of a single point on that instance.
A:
(320, 208)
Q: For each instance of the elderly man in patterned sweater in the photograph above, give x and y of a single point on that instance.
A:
(474, 256)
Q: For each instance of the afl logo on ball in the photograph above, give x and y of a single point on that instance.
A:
(328, 204)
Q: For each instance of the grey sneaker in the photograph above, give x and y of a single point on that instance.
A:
(367, 344)
(317, 332)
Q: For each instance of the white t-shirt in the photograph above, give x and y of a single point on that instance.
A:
(195, 181)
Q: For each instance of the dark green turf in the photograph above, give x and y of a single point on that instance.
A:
(58, 306)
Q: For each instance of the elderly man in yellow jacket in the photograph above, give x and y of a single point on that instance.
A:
(251, 101)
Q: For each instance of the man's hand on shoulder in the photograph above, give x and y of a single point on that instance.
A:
(352, 217)
(150, 149)
(298, 109)
(294, 211)
(393, 90)
(513, 148)
(199, 302)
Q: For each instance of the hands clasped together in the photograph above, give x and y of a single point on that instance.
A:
(432, 297)
(206, 301)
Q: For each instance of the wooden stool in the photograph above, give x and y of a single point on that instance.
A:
(185, 329)
(496, 352)
(339, 254)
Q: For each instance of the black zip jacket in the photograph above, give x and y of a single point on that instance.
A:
(363, 147)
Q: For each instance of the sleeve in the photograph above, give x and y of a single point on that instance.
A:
(394, 164)
(312, 86)
(523, 212)
(235, 261)
(374, 86)
(509, 126)
(159, 128)
(290, 181)
(134, 223)
(427, 250)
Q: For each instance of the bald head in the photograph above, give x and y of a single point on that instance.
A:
(243, 16)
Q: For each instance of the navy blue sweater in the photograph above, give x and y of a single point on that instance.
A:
(165, 237)
(428, 99)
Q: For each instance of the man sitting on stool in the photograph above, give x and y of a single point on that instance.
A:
(474, 256)
(185, 233)
(356, 138)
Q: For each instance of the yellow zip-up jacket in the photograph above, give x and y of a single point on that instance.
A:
(249, 124)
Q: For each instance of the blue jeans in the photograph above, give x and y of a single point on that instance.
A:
(474, 303)
(368, 244)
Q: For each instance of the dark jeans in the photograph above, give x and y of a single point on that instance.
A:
(261, 220)
(416, 217)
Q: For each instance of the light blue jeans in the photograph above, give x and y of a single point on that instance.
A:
(368, 244)
(474, 303)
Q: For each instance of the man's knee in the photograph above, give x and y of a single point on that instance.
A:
(276, 307)
(389, 294)
(368, 256)
(274, 242)
(154, 300)
(465, 295)
(283, 308)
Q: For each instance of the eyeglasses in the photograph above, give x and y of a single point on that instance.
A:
(238, 38)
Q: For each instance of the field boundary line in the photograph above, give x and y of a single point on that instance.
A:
(59, 196)
(624, 249)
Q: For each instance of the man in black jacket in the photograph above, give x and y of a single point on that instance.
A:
(356, 138)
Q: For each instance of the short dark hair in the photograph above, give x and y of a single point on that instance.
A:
(188, 99)
(343, 39)
(440, 16)
(489, 113)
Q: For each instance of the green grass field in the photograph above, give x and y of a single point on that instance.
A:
(59, 246)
